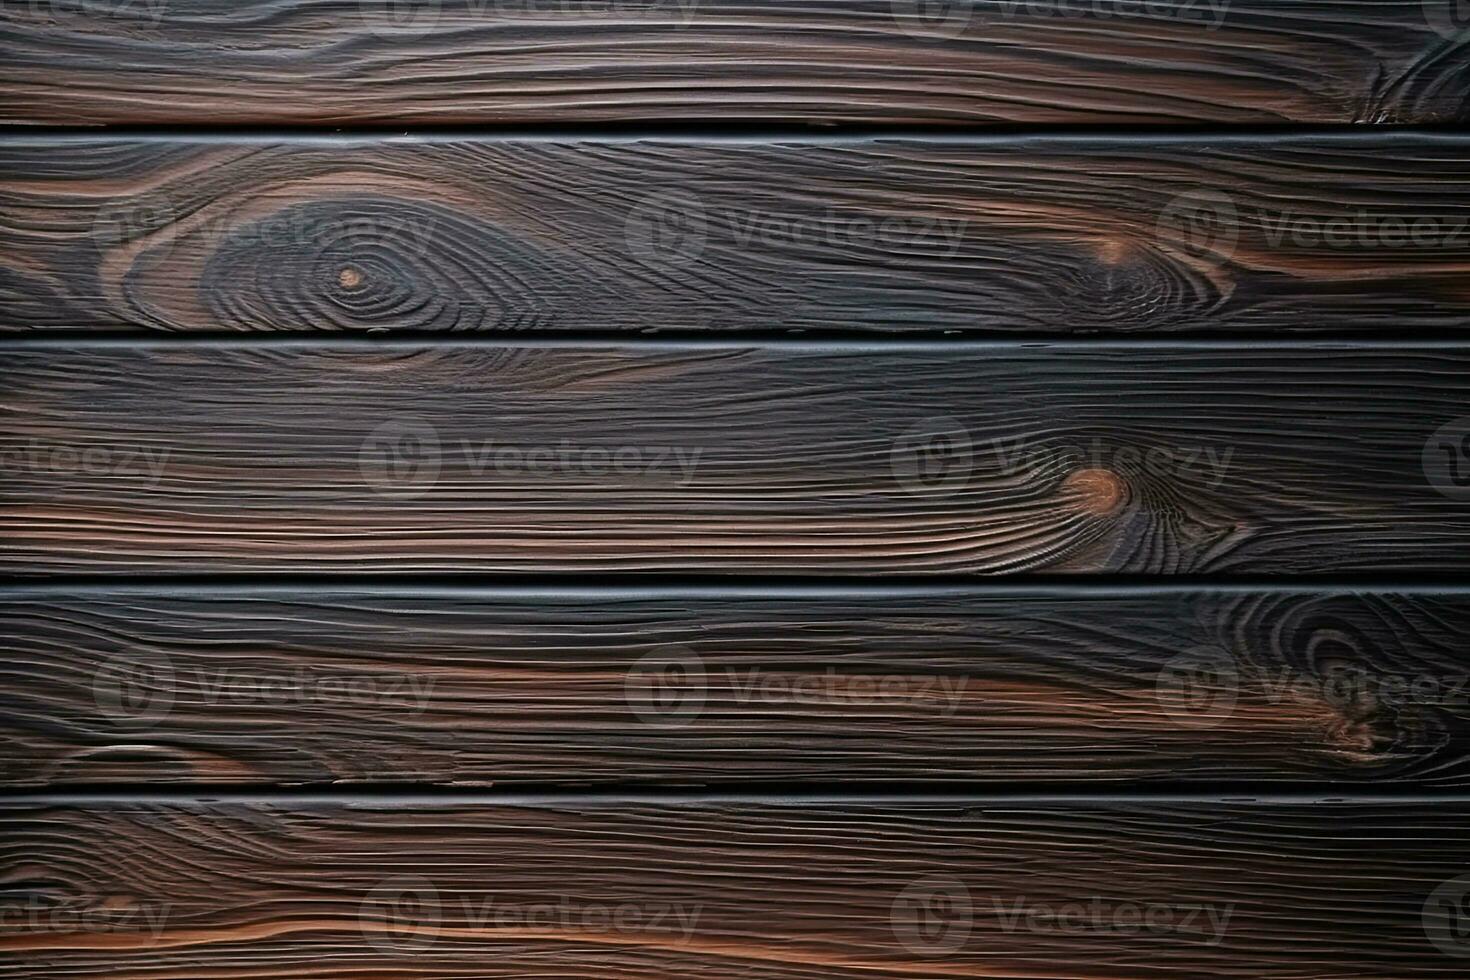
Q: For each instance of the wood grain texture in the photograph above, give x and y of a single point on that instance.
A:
(1058, 235)
(319, 686)
(785, 459)
(232, 62)
(727, 890)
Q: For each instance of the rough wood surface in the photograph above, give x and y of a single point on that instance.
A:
(1060, 235)
(231, 62)
(457, 687)
(1084, 891)
(783, 459)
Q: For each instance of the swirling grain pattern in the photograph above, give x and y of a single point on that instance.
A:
(318, 686)
(1282, 460)
(318, 62)
(1058, 235)
(712, 889)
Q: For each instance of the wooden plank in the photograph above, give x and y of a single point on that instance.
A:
(1061, 235)
(728, 889)
(231, 62)
(1162, 687)
(784, 459)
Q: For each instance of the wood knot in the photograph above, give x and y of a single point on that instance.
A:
(1096, 490)
(349, 278)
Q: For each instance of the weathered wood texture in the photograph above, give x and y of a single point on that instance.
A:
(1321, 233)
(782, 459)
(323, 686)
(727, 890)
(899, 61)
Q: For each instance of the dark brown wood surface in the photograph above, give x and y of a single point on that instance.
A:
(324, 62)
(317, 686)
(1057, 235)
(887, 890)
(782, 459)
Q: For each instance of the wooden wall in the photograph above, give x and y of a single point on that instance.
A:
(741, 489)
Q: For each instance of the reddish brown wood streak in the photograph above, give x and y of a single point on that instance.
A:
(794, 891)
(795, 460)
(1167, 688)
(1062, 235)
(531, 61)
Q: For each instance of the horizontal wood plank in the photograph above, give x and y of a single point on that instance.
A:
(1017, 235)
(1087, 891)
(263, 687)
(236, 62)
(782, 459)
